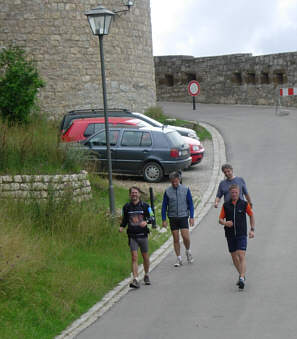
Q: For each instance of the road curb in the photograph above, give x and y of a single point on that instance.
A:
(94, 313)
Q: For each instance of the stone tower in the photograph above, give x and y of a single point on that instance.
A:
(57, 34)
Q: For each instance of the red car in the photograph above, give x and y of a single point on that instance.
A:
(81, 129)
(196, 150)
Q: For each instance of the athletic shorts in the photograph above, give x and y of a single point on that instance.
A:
(178, 223)
(237, 243)
(134, 243)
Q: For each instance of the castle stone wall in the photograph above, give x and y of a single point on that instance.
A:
(228, 79)
(42, 187)
(57, 35)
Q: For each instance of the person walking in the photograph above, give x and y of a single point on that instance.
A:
(178, 205)
(223, 189)
(137, 215)
(233, 217)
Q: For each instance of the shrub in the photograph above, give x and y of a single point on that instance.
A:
(19, 85)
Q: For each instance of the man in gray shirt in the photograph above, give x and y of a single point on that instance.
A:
(224, 185)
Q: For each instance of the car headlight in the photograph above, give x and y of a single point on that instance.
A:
(195, 148)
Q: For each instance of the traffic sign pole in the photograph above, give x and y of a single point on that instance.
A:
(193, 90)
(194, 103)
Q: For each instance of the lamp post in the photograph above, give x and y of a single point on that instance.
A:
(99, 19)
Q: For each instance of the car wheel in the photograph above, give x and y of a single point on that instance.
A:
(153, 172)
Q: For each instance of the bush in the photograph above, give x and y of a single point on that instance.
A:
(19, 85)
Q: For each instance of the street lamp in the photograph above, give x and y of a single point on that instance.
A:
(100, 19)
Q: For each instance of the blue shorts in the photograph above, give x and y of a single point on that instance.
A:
(237, 243)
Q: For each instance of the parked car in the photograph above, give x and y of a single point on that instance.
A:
(196, 150)
(93, 113)
(150, 152)
(81, 129)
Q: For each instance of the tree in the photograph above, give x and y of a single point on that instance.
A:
(19, 85)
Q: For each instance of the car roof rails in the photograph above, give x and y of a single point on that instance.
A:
(96, 110)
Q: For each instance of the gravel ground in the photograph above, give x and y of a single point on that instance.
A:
(197, 177)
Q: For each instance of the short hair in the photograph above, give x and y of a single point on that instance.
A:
(134, 188)
(234, 186)
(226, 166)
(174, 175)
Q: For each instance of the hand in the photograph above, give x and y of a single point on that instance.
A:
(229, 223)
(191, 222)
(121, 229)
(164, 223)
(251, 234)
(143, 224)
(216, 205)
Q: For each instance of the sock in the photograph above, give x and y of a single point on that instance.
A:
(188, 251)
(179, 257)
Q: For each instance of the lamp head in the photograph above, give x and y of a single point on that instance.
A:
(99, 19)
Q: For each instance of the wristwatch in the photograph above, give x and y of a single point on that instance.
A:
(252, 229)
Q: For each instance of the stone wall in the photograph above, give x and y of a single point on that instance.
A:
(228, 79)
(57, 34)
(41, 186)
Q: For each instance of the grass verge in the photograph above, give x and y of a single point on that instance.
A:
(57, 259)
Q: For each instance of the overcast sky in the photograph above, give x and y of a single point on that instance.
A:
(217, 27)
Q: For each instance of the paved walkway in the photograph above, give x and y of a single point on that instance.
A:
(203, 180)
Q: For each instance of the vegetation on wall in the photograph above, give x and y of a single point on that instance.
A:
(19, 85)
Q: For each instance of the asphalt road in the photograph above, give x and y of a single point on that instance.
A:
(201, 300)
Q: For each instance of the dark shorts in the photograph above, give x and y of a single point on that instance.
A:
(178, 223)
(142, 243)
(237, 243)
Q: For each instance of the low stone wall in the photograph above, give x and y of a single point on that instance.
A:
(42, 186)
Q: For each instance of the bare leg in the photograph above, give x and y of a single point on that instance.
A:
(176, 244)
(236, 262)
(242, 263)
(186, 237)
(146, 262)
(134, 257)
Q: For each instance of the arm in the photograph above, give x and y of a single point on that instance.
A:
(164, 209)
(219, 196)
(124, 219)
(248, 199)
(222, 219)
(216, 203)
(252, 223)
(190, 207)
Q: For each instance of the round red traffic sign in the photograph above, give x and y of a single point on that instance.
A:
(193, 88)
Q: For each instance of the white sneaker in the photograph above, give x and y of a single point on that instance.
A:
(178, 263)
(189, 257)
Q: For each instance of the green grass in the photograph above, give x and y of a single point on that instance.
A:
(60, 259)
(34, 148)
(158, 114)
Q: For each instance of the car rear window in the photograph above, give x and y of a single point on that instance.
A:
(175, 138)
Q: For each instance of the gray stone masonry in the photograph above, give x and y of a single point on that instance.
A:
(57, 35)
(42, 186)
(228, 79)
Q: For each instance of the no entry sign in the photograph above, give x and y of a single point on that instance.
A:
(193, 88)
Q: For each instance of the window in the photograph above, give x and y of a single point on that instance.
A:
(169, 80)
(100, 139)
(251, 78)
(279, 78)
(264, 78)
(131, 138)
(190, 77)
(237, 78)
(146, 139)
(99, 127)
(90, 130)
